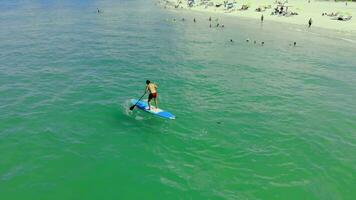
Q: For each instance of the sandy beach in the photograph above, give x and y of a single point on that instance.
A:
(294, 11)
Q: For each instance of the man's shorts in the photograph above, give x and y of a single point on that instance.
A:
(151, 96)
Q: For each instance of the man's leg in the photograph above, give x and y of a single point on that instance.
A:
(156, 102)
(148, 101)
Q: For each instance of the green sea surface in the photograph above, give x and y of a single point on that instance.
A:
(253, 122)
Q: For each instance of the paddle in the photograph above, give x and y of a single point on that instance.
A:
(132, 107)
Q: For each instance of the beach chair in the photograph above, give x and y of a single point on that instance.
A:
(343, 18)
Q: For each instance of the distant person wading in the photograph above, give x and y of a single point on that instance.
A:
(310, 22)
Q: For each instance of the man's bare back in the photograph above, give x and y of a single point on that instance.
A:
(152, 88)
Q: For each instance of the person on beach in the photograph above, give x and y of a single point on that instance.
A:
(209, 19)
(194, 20)
(97, 10)
(152, 88)
(310, 22)
(295, 43)
(262, 18)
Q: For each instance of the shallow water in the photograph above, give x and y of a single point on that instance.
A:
(253, 122)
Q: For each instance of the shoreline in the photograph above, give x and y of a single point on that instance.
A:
(305, 11)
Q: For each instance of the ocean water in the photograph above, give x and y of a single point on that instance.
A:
(253, 122)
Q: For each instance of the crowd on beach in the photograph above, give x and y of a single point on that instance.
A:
(281, 9)
(275, 8)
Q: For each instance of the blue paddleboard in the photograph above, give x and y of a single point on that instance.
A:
(143, 105)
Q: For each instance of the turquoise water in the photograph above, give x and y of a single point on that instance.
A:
(253, 122)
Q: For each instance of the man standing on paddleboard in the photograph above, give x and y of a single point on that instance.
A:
(152, 88)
